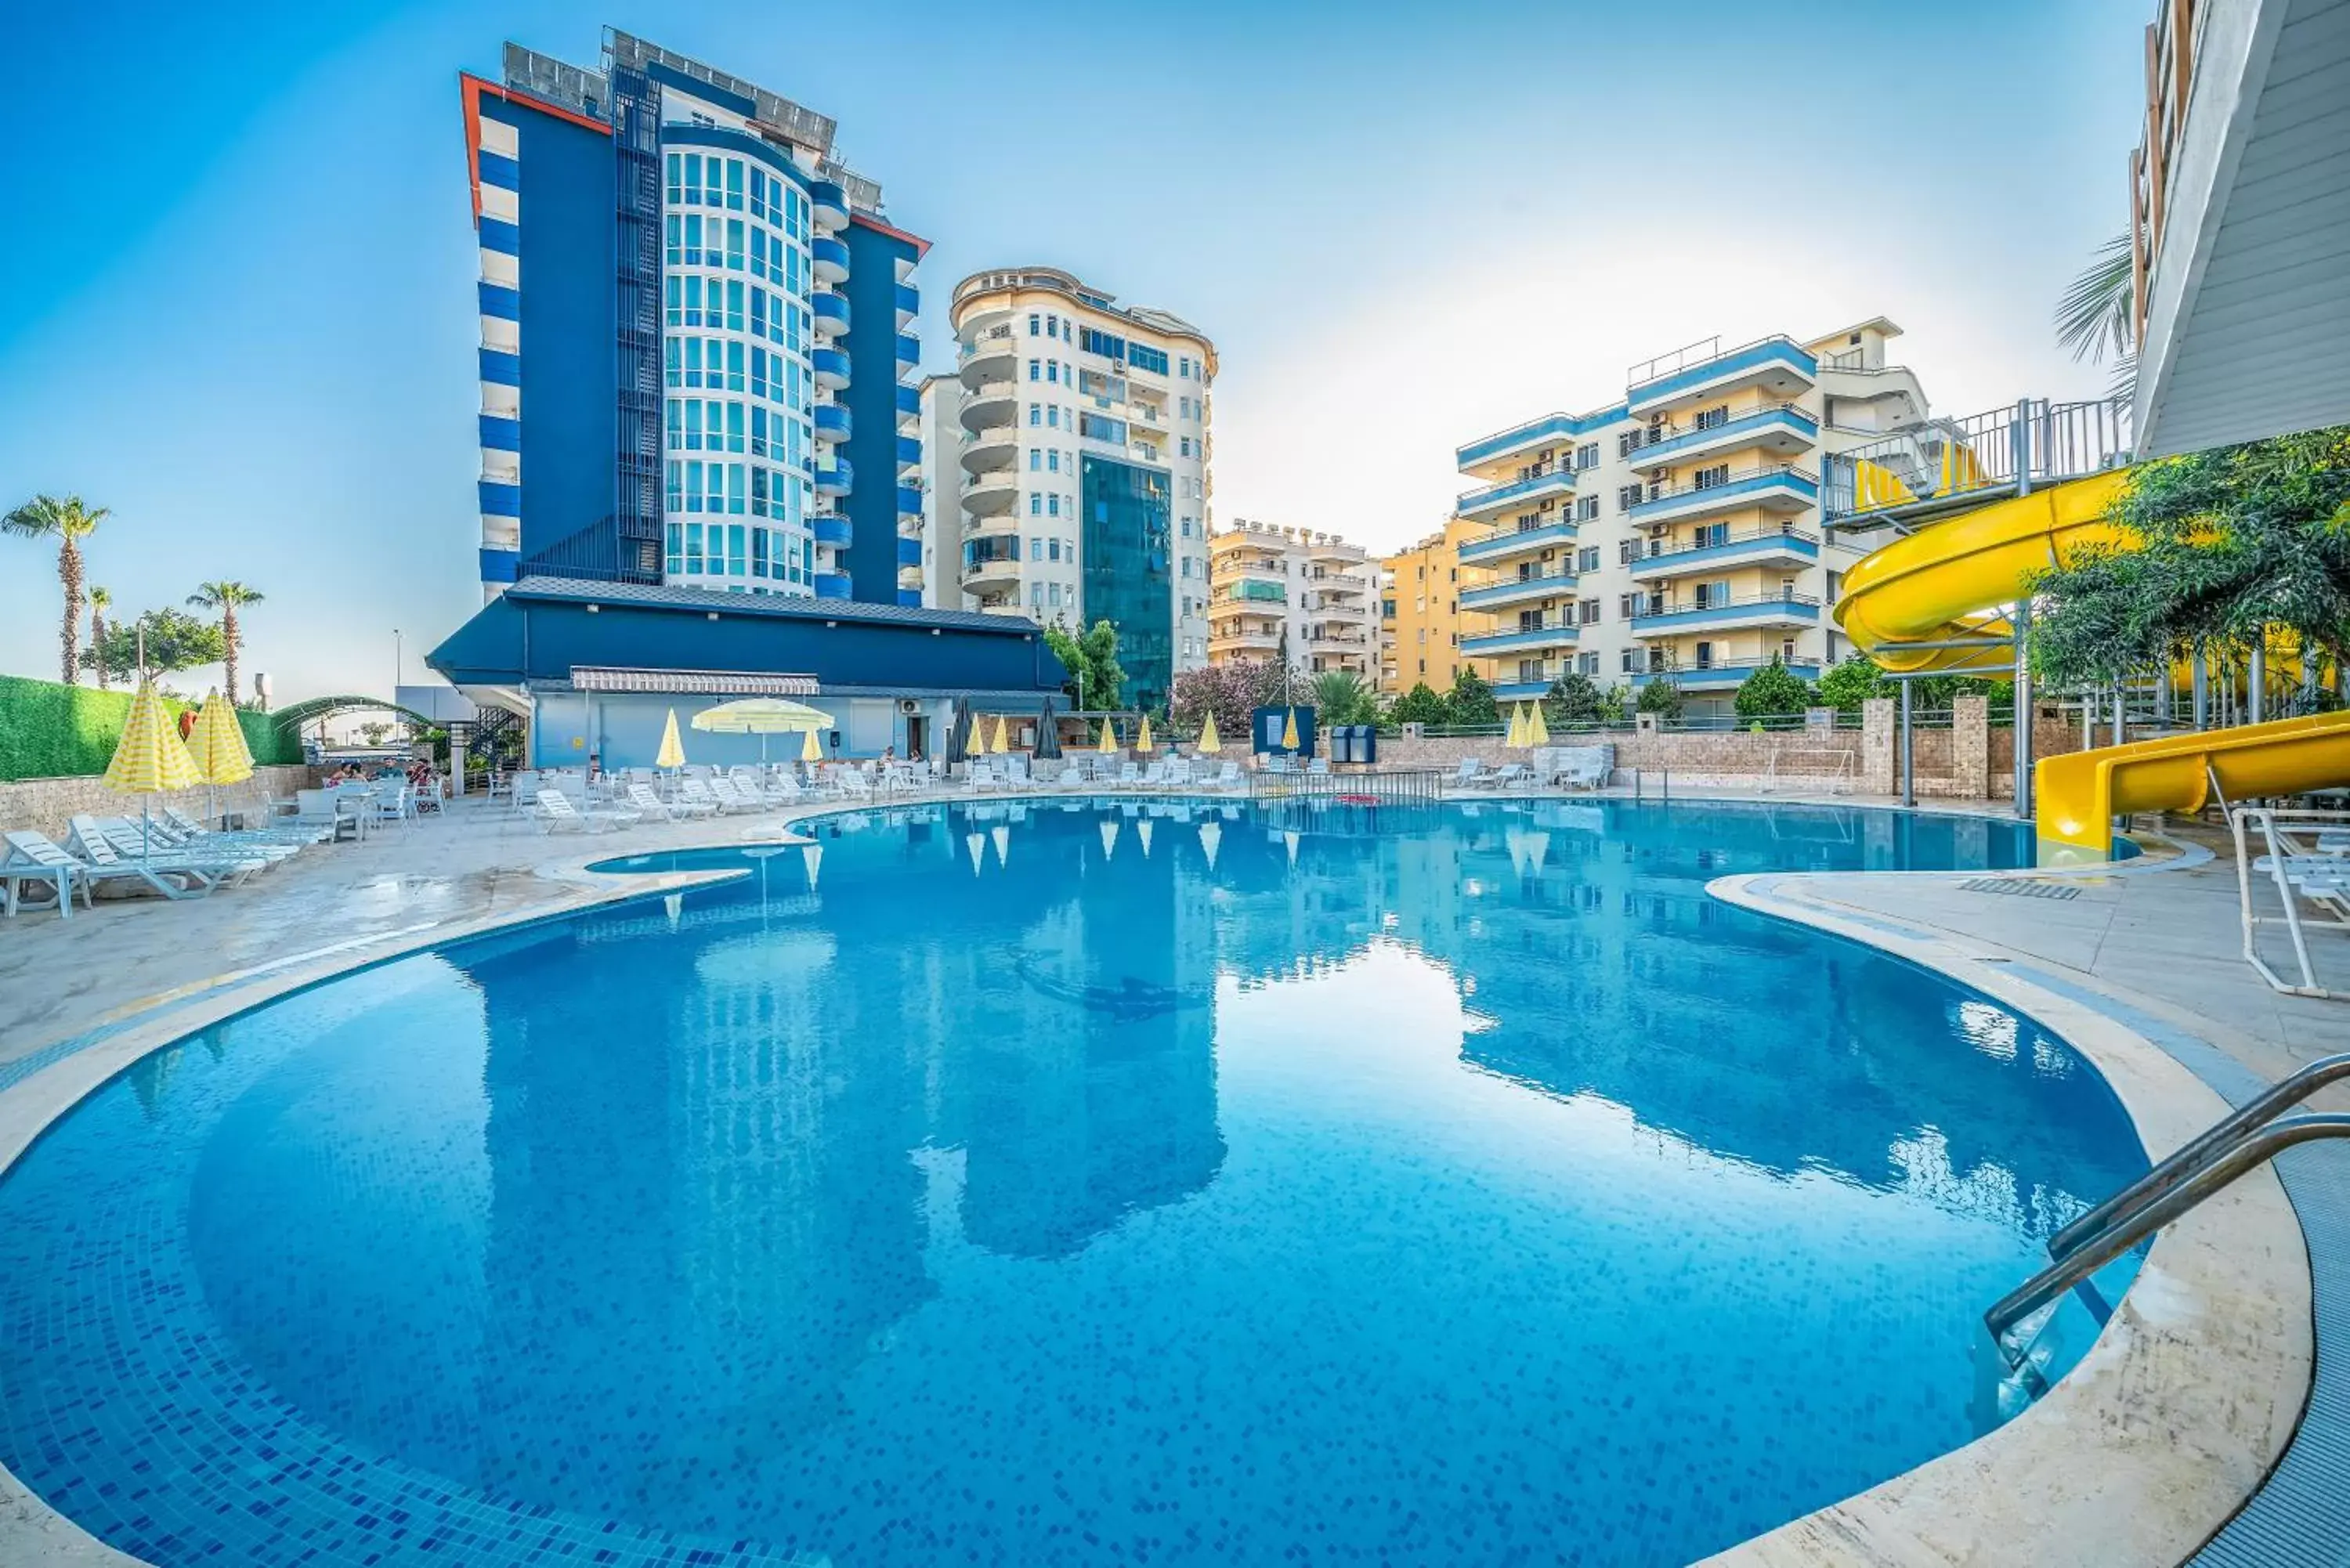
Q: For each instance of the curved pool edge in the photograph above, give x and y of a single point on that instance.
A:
(2188, 1398)
(1974, 1503)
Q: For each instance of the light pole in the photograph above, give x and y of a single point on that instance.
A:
(398, 665)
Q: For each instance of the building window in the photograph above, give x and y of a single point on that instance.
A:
(1587, 558)
(1587, 613)
(1587, 507)
(1587, 455)
(1711, 419)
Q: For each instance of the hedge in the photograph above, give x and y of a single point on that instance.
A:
(48, 730)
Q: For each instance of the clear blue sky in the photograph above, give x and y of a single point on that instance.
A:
(239, 288)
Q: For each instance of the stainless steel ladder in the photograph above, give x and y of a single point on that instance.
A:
(2242, 1141)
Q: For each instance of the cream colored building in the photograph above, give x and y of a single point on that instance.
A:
(1421, 622)
(1082, 467)
(1674, 535)
(1273, 588)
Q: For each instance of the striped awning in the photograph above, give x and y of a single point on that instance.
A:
(691, 682)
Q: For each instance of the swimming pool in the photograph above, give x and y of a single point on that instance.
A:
(1067, 1183)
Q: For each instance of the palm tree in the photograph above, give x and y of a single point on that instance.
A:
(224, 597)
(2098, 313)
(1341, 697)
(98, 601)
(68, 521)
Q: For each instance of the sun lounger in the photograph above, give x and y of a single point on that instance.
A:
(642, 799)
(1471, 775)
(33, 860)
(553, 811)
(696, 791)
(731, 799)
(166, 873)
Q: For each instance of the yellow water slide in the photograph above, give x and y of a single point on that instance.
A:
(1950, 582)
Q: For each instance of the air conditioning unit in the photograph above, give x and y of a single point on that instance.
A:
(907, 706)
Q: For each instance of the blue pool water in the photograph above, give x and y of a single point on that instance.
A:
(1076, 1184)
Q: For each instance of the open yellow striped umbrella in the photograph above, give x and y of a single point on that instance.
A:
(1108, 740)
(150, 755)
(1142, 738)
(1209, 742)
(672, 749)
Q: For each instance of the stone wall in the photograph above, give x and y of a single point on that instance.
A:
(48, 806)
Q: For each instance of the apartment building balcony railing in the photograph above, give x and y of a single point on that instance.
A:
(1238, 640)
(993, 405)
(827, 206)
(990, 451)
(1943, 465)
(833, 421)
(908, 300)
(1549, 634)
(1784, 429)
(1525, 686)
(1251, 589)
(1517, 590)
(831, 368)
(833, 530)
(828, 258)
(1779, 487)
(1507, 542)
(987, 356)
(1720, 674)
(1532, 489)
(829, 314)
(1720, 546)
(1660, 615)
(1705, 368)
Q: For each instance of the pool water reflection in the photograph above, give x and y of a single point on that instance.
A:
(1062, 1184)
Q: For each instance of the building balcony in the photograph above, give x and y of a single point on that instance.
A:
(831, 368)
(989, 356)
(834, 585)
(991, 494)
(909, 348)
(1783, 431)
(1510, 543)
(828, 258)
(1521, 689)
(1783, 488)
(829, 313)
(1664, 618)
(1240, 640)
(1721, 675)
(990, 451)
(833, 422)
(834, 531)
(1706, 370)
(1779, 546)
(994, 406)
(835, 478)
(1528, 491)
(910, 594)
(1235, 596)
(1551, 430)
(1518, 590)
(909, 455)
(909, 302)
(909, 406)
(909, 500)
(1521, 639)
(827, 206)
(909, 551)
(991, 564)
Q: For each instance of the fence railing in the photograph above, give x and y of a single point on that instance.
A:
(1404, 786)
(1943, 459)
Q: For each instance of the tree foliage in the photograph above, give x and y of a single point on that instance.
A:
(2097, 313)
(1660, 697)
(1420, 705)
(1342, 697)
(2233, 541)
(1773, 691)
(175, 640)
(1096, 678)
(1576, 699)
(1233, 691)
(1471, 701)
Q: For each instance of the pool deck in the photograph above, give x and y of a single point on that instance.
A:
(2139, 968)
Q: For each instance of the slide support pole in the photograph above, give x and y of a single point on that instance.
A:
(2023, 706)
(1908, 757)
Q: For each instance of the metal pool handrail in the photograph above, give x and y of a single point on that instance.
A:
(2112, 1240)
(2201, 1151)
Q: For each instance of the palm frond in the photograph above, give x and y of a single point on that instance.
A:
(2097, 313)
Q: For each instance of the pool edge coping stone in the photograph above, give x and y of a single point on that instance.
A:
(2190, 1394)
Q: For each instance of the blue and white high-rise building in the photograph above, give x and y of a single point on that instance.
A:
(697, 336)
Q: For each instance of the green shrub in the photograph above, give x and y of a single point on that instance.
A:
(50, 731)
(1774, 690)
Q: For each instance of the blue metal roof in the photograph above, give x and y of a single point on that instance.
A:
(582, 590)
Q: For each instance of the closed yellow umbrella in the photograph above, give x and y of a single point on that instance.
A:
(1209, 742)
(1537, 730)
(1003, 736)
(811, 749)
(217, 747)
(1142, 738)
(150, 756)
(672, 749)
(1510, 740)
(1289, 733)
(1108, 740)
